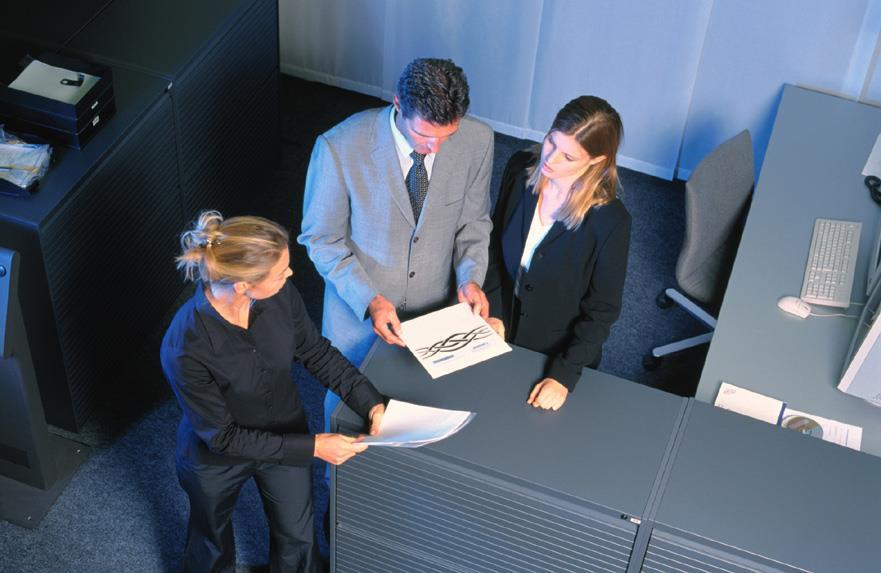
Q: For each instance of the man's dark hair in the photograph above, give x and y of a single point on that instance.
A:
(435, 90)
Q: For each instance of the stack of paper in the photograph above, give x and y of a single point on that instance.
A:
(406, 425)
(450, 339)
(22, 163)
(777, 412)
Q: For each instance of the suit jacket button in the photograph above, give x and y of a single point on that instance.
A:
(412, 274)
(528, 288)
(415, 239)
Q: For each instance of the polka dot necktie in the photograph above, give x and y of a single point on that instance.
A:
(417, 183)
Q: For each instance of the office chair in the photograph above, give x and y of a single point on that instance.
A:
(717, 199)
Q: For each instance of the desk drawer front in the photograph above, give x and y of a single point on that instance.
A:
(356, 553)
(668, 552)
(414, 507)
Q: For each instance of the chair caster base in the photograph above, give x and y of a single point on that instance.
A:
(651, 362)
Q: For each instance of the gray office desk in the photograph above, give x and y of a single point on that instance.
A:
(519, 489)
(812, 169)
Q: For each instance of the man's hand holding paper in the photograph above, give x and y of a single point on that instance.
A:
(385, 320)
(476, 299)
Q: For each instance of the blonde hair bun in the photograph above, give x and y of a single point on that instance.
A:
(215, 249)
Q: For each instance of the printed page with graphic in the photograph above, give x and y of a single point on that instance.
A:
(451, 339)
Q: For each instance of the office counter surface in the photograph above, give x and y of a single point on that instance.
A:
(812, 169)
(520, 489)
(604, 446)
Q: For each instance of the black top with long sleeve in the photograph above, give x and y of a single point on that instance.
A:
(571, 294)
(234, 384)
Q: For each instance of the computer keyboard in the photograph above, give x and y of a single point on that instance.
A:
(831, 263)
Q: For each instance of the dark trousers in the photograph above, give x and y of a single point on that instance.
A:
(287, 500)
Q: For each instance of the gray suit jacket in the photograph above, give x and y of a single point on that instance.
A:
(359, 231)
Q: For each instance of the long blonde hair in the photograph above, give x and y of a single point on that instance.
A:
(232, 250)
(597, 127)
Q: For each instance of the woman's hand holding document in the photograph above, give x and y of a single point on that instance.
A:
(337, 449)
(450, 339)
(406, 425)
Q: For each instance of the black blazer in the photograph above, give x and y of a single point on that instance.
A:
(572, 292)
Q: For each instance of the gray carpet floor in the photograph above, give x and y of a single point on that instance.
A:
(124, 511)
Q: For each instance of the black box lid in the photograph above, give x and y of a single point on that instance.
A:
(15, 102)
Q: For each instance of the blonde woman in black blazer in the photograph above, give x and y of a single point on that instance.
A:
(558, 252)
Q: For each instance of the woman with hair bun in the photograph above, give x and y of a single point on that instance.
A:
(227, 355)
(558, 251)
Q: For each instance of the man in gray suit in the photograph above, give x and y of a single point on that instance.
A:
(396, 210)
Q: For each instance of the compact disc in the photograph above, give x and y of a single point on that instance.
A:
(803, 425)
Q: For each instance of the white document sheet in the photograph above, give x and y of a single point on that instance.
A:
(873, 163)
(749, 403)
(44, 80)
(776, 412)
(451, 339)
(407, 425)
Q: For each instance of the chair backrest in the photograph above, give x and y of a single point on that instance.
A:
(717, 197)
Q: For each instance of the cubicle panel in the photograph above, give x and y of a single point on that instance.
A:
(426, 508)
(235, 167)
(215, 97)
(53, 22)
(159, 37)
(109, 255)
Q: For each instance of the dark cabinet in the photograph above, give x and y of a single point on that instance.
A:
(197, 125)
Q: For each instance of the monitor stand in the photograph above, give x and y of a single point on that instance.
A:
(35, 466)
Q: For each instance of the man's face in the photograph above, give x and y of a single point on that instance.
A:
(422, 135)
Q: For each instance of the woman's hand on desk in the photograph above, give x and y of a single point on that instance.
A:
(336, 448)
(548, 394)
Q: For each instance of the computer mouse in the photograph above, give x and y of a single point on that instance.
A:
(795, 306)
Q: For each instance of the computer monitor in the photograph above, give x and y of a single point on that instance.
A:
(861, 375)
